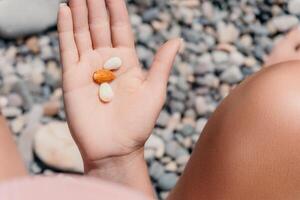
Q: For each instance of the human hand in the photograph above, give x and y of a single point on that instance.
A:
(89, 37)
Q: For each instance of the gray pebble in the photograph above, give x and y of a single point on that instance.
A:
(232, 75)
(167, 181)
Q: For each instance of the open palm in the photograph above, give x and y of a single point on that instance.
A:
(90, 32)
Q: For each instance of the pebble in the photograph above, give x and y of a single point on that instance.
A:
(15, 100)
(106, 93)
(227, 33)
(173, 149)
(155, 144)
(167, 181)
(285, 22)
(113, 63)
(294, 7)
(17, 124)
(187, 130)
(201, 123)
(156, 170)
(33, 45)
(201, 105)
(232, 75)
(54, 145)
(163, 119)
(51, 108)
(220, 57)
(225, 42)
(171, 167)
(11, 112)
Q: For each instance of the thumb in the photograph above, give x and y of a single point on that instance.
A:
(163, 62)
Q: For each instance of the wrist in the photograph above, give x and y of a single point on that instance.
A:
(130, 170)
(111, 164)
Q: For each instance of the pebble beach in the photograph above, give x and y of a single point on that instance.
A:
(225, 42)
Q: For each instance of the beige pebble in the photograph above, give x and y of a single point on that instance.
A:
(106, 93)
(113, 63)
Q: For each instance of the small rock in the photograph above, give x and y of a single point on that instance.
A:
(227, 33)
(201, 105)
(15, 100)
(236, 58)
(174, 150)
(51, 108)
(187, 130)
(171, 167)
(155, 144)
(17, 124)
(53, 75)
(232, 75)
(285, 22)
(156, 170)
(201, 123)
(294, 7)
(163, 119)
(54, 145)
(209, 80)
(11, 112)
(35, 169)
(21, 88)
(182, 160)
(167, 181)
(33, 44)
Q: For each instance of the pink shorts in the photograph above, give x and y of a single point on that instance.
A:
(65, 187)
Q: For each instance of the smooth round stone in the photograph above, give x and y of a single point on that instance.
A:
(113, 63)
(54, 145)
(167, 181)
(15, 100)
(232, 75)
(155, 144)
(106, 93)
(156, 170)
(18, 124)
(294, 7)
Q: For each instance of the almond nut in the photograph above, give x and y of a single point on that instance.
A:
(103, 75)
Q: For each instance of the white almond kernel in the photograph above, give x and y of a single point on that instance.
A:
(113, 63)
(106, 93)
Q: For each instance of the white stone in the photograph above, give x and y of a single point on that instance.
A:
(24, 17)
(294, 7)
(156, 145)
(227, 33)
(285, 22)
(106, 93)
(113, 63)
(54, 145)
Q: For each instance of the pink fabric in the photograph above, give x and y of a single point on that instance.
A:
(65, 187)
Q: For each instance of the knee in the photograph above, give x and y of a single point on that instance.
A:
(265, 107)
(256, 132)
(272, 96)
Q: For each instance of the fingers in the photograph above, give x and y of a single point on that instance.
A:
(120, 24)
(99, 24)
(68, 49)
(81, 25)
(162, 64)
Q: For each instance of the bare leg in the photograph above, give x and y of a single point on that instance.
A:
(11, 165)
(250, 146)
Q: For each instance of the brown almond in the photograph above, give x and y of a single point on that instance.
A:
(103, 76)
